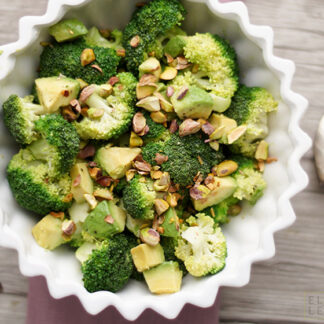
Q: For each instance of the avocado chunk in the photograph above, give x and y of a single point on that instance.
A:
(79, 212)
(48, 232)
(81, 182)
(171, 223)
(84, 251)
(56, 92)
(224, 188)
(166, 278)
(116, 160)
(146, 256)
(68, 29)
(105, 220)
(135, 225)
(197, 103)
(175, 46)
(220, 121)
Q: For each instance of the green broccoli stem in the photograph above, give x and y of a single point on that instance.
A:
(95, 101)
(36, 109)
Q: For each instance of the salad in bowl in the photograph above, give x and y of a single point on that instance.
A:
(137, 146)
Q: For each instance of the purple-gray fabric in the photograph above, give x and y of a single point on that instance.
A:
(43, 309)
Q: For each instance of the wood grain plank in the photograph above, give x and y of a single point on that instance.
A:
(10, 278)
(12, 309)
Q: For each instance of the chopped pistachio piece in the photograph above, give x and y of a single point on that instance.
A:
(151, 103)
(226, 168)
(135, 140)
(236, 133)
(262, 151)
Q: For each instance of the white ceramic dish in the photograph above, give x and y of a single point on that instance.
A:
(250, 236)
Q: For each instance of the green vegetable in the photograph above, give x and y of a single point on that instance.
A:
(250, 106)
(219, 212)
(197, 103)
(217, 66)
(149, 23)
(122, 183)
(68, 29)
(117, 111)
(56, 92)
(183, 163)
(48, 232)
(202, 246)
(94, 38)
(32, 187)
(20, 115)
(58, 146)
(156, 131)
(110, 266)
(64, 58)
(250, 182)
(139, 198)
(97, 224)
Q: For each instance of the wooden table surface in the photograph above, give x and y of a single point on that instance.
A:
(280, 289)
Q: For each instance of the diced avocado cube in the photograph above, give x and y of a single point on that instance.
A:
(84, 251)
(81, 182)
(68, 29)
(171, 223)
(79, 212)
(197, 103)
(134, 225)
(146, 256)
(48, 232)
(116, 160)
(56, 92)
(219, 120)
(166, 278)
(105, 220)
(224, 188)
(175, 46)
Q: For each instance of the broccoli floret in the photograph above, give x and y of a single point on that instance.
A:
(125, 89)
(32, 186)
(20, 115)
(217, 66)
(150, 149)
(110, 266)
(157, 47)
(187, 156)
(58, 146)
(117, 111)
(250, 107)
(219, 212)
(250, 182)
(139, 197)
(169, 244)
(150, 23)
(64, 58)
(94, 38)
(202, 246)
(122, 183)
